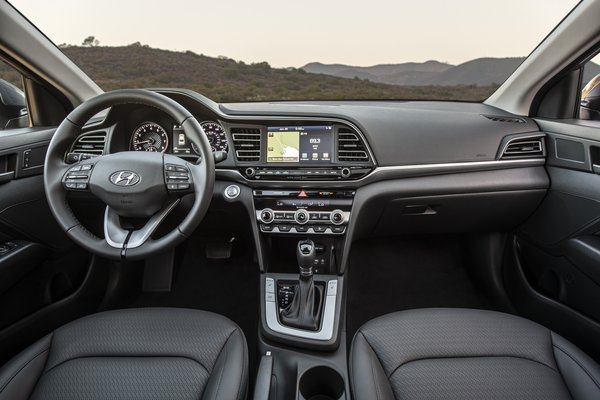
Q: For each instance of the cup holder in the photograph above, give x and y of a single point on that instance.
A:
(321, 383)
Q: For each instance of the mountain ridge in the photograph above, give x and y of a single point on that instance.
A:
(484, 71)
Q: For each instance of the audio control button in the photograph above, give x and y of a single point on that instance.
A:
(302, 216)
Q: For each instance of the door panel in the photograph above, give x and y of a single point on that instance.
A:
(42, 273)
(559, 246)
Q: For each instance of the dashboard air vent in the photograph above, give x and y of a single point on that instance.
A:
(350, 147)
(520, 147)
(90, 143)
(498, 118)
(246, 142)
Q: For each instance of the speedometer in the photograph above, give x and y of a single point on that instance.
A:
(150, 136)
(215, 135)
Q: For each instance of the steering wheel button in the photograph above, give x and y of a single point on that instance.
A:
(183, 186)
(73, 169)
(86, 167)
(82, 186)
(172, 186)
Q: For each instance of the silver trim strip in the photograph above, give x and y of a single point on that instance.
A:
(115, 235)
(391, 172)
(327, 324)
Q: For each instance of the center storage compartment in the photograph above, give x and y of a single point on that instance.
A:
(321, 383)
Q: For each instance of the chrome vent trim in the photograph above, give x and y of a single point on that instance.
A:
(246, 142)
(350, 147)
(524, 147)
(90, 143)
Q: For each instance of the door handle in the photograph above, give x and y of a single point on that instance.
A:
(7, 176)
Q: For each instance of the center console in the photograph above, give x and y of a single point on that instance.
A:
(300, 177)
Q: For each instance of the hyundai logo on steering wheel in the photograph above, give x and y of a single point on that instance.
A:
(124, 178)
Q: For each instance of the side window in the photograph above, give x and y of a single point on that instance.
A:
(589, 107)
(13, 105)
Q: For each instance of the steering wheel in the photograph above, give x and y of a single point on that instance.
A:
(140, 187)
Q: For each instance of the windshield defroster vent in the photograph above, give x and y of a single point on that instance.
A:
(524, 147)
(350, 147)
(498, 118)
(246, 142)
(90, 143)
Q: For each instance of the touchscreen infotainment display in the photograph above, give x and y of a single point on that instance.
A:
(292, 144)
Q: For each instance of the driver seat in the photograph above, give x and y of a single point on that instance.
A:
(150, 353)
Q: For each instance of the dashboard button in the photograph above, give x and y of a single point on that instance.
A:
(266, 228)
(232, 192)
(301, 228)
(284, 228)
(319, 228)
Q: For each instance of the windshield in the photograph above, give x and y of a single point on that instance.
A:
(240, 50)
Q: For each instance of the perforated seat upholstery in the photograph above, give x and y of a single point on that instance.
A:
(153, 353)
(467, 354)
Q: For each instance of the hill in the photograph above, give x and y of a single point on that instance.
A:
(224, 79)
(480, 72)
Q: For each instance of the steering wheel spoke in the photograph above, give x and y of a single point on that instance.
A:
(118, 237)
(77, 177)
(178, 177)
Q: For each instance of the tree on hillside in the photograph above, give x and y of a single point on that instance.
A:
(90, 41)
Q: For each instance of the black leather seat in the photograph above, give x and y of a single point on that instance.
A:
(153, 353)
(467, 354)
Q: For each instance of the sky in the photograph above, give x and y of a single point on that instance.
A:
(293, 33)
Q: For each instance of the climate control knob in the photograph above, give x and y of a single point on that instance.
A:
(301, 216)
(337, 217)
(267, 216)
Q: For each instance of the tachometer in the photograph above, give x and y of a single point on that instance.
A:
(150, 136)
(215, 135)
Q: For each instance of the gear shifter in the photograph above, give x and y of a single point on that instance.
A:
(305, 309)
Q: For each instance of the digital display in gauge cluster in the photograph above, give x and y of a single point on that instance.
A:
(214, 132)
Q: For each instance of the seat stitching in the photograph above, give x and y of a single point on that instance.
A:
(578, 363)
(243, 366)
(127, 356)
(23, 367)
(377, 391)
(226, 350)
(463, 357)
(220, 351)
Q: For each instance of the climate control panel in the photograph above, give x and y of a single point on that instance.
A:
(314, 212)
